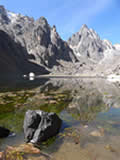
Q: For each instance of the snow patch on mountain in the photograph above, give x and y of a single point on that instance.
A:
(13, 16)
(117, 46)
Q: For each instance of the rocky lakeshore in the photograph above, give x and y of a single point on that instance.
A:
(84, 106)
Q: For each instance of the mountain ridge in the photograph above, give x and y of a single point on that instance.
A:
(84, 52)
(35, 36)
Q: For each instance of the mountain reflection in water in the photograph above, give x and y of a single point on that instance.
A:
(89, 108)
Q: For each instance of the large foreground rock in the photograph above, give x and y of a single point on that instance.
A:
(39, 126)
(4, 132)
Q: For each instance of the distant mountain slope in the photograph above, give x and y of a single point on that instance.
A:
(87, 43)
(100, 56)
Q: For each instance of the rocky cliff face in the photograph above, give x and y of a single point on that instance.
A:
(13, 58)
(100, 56)
(43, 44)
(87, 43)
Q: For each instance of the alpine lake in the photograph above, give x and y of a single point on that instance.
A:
(88, 107)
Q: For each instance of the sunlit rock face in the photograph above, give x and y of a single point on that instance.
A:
(89, 48)
(87, 43)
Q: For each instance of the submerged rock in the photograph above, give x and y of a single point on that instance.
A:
(1, 155)
(39, 126)
(98, 133)
(24, 152)
(4, 132)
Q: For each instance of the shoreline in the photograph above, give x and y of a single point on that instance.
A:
(70, 76)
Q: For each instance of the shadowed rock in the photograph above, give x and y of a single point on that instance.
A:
(4, 132)
(39, 126)
(14, 58)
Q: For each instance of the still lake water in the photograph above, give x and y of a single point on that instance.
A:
(89, 108)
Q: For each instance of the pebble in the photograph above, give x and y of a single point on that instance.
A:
(96, 133)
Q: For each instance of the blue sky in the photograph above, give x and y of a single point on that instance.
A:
(69, 15)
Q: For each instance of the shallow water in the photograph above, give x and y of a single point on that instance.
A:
(89, 108)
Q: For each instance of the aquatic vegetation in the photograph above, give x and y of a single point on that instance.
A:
(61, 101)
(110, 148)
(11, 113)
(105, 93)
(47, 143)
(15, 104)
(87, 119)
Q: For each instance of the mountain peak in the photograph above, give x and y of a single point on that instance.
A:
(42, 20)
(84, 26)
(12, 16)
(87, 43)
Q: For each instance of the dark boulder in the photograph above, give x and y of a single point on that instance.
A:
(4, 132)
(39, 126)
